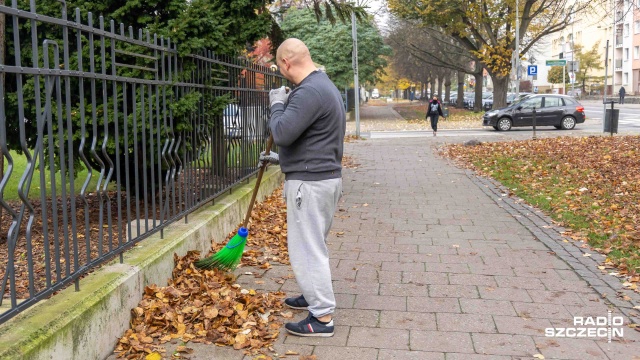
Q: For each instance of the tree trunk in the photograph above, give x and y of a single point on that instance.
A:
(477, 106)
(460, 98)
(447, 87)
(500, 87)
(440, 77)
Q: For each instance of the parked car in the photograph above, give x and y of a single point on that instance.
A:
(245, 122)
(375, 94)
(453, 98)
(560, 111)
(485, 97)
(487, 104)
(511, 97)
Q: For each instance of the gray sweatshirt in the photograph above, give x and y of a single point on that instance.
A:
(310, 129)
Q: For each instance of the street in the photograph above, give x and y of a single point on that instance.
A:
(629, 123)
(629, 120)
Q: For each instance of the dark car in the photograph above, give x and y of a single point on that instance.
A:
(560, 111)
(511, 97)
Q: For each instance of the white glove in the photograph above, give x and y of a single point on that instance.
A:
(272, 158)
(278, 96)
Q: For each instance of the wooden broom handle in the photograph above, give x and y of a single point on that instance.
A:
(258, 180)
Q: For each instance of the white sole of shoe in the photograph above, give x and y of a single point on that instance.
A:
(310, 334)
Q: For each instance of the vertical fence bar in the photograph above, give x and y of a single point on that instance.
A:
(175, 74)
(12, 233)
(151, 170)
(116, 122)
(83, 137)
(70, 157)
(160, 151)
(143, 131)
(125, 123)
(105, 140)
(136, 163)
(39, 150)
(168, 145)
(94, 141)
(50, 83)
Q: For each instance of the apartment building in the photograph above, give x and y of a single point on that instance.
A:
(621, 27)
(635, 62)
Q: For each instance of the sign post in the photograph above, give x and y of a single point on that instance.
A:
(561, 62)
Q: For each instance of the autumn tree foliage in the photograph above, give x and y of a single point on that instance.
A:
(486, 28)
(434, 56)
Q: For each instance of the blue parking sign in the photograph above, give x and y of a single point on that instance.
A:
(532, 70)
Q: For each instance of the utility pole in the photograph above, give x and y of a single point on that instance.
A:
(573, 56)
(517, 49)
(354, 61)
(614, 31)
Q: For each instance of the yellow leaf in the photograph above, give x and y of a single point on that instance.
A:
(153, 356)
(538, 356)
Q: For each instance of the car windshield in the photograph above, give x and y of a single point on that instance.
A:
(520, 99)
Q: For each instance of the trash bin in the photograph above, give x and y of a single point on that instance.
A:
(611, 120)
(445, 111)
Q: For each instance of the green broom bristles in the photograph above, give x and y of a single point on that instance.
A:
(229, 256)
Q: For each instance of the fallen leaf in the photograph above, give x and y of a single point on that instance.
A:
(287, 314)
(538, 356)
(153, 356)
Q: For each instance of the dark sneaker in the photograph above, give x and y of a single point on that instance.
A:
(310, 327)
(297, 303)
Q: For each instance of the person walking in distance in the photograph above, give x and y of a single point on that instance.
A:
(622, 92)
(308, 124)
(434, 109)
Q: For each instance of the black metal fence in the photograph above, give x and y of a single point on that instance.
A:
(107, 136)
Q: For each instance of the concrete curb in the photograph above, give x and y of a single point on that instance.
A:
(87, 324)
(544, 230)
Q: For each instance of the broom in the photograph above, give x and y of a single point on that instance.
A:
(229, 256)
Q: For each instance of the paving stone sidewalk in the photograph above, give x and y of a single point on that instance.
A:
(430, 262)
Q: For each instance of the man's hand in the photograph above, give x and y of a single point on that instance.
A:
(279, 95)
(272, 158)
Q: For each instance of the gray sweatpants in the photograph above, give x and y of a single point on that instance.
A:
(310, 209)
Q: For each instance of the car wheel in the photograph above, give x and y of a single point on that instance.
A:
(568, 123)
(504, 124)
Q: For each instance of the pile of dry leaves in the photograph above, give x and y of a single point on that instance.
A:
(589, 185)
(208, 306)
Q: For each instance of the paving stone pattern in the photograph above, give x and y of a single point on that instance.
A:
(435, 263)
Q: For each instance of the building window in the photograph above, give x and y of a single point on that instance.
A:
(626, 78)
(626, 54)
(636, 52)
(636, 26)
(626, 29)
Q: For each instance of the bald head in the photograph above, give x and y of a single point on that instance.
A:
(293, 50)
(294, 60)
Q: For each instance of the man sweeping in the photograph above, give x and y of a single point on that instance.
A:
(308, 124)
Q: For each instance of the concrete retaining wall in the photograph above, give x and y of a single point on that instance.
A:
(87, 324)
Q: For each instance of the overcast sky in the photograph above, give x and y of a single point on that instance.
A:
(379, 9)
